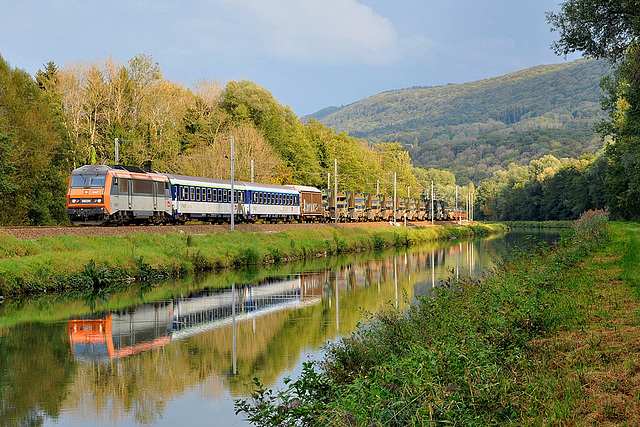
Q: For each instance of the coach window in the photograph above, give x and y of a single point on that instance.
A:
(192, 193)
(208, 194)
(197, 194)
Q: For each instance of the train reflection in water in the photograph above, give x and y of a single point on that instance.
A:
(142, 328)
(122, 334)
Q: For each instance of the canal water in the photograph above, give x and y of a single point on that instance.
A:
(182, 352)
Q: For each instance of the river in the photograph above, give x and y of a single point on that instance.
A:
(184, 351)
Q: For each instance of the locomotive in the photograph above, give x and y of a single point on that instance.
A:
(117, 194)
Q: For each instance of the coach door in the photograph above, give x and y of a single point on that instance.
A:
(155, 196)
(130, 192)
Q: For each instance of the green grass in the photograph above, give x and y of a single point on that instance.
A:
(93, 263)
(542, 341)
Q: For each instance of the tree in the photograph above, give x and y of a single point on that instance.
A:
(32, 172)
(611, 30)
(395, 159)
(599, 29)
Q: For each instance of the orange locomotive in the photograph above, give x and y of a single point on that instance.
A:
(100, 193)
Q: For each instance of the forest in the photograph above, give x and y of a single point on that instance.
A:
(545, 143)
(474, 129)
(68, 116)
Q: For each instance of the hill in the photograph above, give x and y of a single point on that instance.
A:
(475, 128)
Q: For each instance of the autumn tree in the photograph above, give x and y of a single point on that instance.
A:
(213, 160)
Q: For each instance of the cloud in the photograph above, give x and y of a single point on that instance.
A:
(335, 32)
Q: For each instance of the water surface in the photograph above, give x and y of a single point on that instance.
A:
(186, 350)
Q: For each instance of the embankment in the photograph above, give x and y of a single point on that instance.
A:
(93, 262)
(550, 338)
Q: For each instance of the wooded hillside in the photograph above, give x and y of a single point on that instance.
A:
(476, 128)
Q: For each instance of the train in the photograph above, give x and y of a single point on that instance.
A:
(118, 194)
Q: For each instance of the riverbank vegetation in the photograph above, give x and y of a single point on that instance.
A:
(91, 262)
(540, 341)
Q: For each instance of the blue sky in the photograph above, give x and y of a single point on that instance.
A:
(310, 54)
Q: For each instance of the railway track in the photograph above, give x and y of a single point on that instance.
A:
(33, 233)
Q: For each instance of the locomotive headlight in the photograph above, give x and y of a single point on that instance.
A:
(97, 200)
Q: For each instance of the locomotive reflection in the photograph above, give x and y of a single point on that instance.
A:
(126, 333)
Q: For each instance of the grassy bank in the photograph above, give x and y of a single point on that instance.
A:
(89, 263)
(549, 338)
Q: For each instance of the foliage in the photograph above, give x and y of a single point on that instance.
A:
(474, 129)
(545, 190)
(462, 356)
(623, 147)
(610, 30)
(34, 156)
(598, 29)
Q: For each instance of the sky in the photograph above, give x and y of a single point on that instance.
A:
(310, 54)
